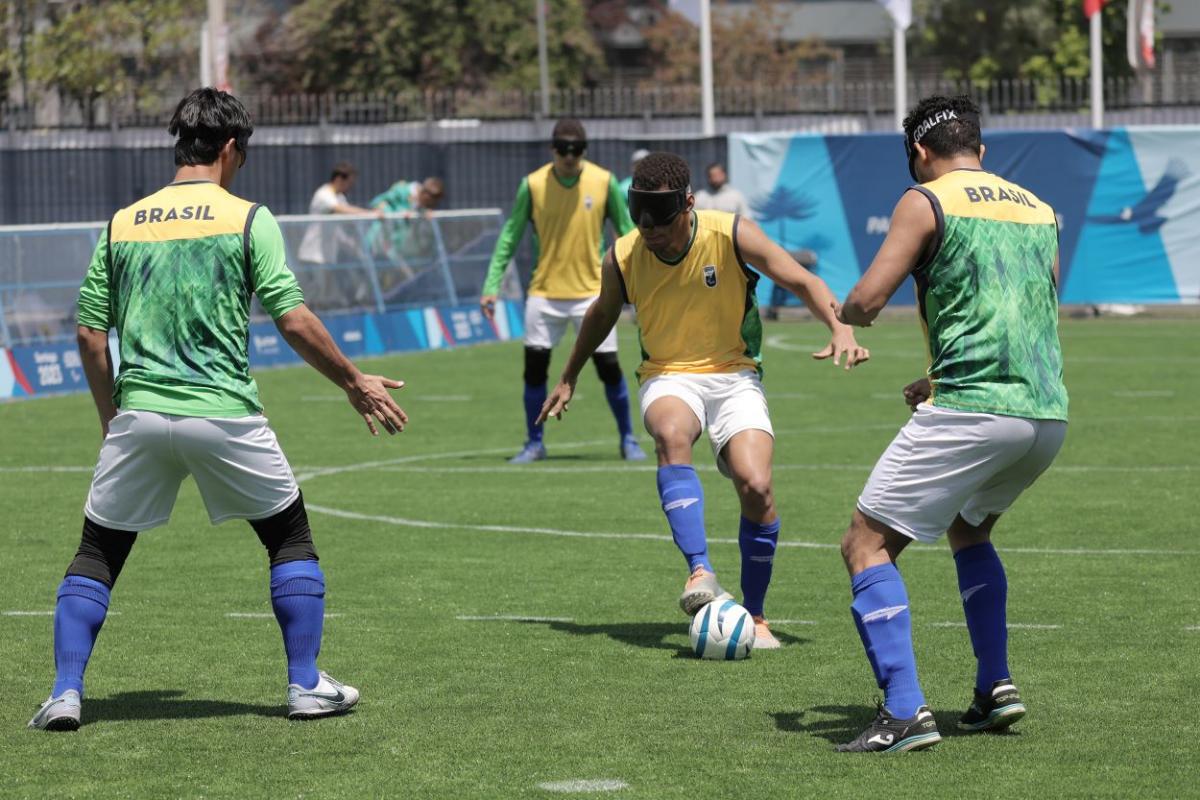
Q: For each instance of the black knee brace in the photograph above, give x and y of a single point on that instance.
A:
(102, 552)
(608, 368)
(537, 365)
(286, 535)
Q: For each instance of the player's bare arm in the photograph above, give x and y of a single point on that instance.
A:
(601, 316)
(367, 393)
(912, 230)
(773, 261)
(97, 366)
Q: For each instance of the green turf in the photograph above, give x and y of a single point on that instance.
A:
(184, 701)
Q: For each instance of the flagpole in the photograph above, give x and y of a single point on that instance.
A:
(1097, 72)
(900, 72)
(707, 115)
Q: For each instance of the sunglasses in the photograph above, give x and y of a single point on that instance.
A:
(569, 147)
(655, 209)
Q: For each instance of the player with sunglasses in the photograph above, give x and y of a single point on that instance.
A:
(688, 274)
(567, 201)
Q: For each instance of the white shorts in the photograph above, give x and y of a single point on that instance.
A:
(546, 322)
(726, 403)
(944, 463)
(237, 464)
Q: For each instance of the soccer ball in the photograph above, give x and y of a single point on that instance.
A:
(723, 631)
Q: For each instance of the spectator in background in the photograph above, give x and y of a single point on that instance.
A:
(720, 196)
(330, 198)
(806, 259)
(404, 238)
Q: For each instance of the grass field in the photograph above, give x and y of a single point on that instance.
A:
(418, 532)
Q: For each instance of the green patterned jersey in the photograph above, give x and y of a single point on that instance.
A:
(988, 301)
(174, 274)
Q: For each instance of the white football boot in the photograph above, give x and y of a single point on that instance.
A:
(326, 698)
(58, 713)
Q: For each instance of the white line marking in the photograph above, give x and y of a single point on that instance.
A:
(580, 786)
(511, 618)
(612, 468)
(47, 469)
(264, 615)
(27, 613)
(656, 537)
(1146, 393)
(793, 621)
(1012, 625)
(1192, 628)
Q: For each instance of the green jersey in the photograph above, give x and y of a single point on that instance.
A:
(988, 301)
(174, 274)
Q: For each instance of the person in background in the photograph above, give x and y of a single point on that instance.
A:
(806, 259)
(404, 196)
(637, 156)
(320, 246)
(720, 196)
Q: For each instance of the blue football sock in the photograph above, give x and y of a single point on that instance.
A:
(78, 615)
(880, 610)
(757, 542)
(298, 598)
(618, 400)
(984, 591)
(683, 503)
(535, 398)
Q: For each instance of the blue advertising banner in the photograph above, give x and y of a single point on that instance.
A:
(56, 368)
(1127, 201)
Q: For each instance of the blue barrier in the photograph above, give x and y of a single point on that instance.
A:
(56, 368)
(1127, 199)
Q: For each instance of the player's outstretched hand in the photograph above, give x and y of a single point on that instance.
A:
(557, 402)
(844, 344)
(369, 396)
(487, 304)
(917, 392)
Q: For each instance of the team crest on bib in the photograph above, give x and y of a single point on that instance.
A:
(587, 202)
(710, 276)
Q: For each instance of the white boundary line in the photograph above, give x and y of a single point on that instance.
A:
(657, 537)
(582, 786)
(510, 618)
(1030, 626)
(265, 615)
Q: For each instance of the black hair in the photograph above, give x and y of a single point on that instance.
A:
(661, 170)
(569, 128)
(343, 169)
(203, 122)
(953, 137)
(714, 165)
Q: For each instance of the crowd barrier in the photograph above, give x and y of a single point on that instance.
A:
(1127, 200)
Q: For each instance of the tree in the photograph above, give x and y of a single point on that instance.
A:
(747, 47)
(982, 40)
(360, 45)
(120, 49)
(781, 205)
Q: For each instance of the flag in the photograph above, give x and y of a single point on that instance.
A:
(901, 11)
(1091, 7)
(1139, 42)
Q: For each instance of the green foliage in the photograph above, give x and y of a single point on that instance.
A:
(982, 40)
(381, 45)
(120, 49)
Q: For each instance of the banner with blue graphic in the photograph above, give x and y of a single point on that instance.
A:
(56, 368)
(1128, 203)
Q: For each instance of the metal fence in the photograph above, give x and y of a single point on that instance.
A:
(343, 263)
(461, 109)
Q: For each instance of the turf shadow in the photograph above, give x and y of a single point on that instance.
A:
(164, 704)
(651, 635)
(840, 724)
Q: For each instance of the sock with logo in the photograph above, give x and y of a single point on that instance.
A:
(984, 591)
(880, 611)
(535, 398)
(617, 395)
(683, 503)
(298, 598)
(757, 542)
(78, 615)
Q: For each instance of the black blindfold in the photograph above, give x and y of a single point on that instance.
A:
(653, 209)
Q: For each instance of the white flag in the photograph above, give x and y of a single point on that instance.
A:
(1139, 43)
(901, 11)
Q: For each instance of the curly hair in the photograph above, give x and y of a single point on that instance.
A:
(661, 170)
(952, 137)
